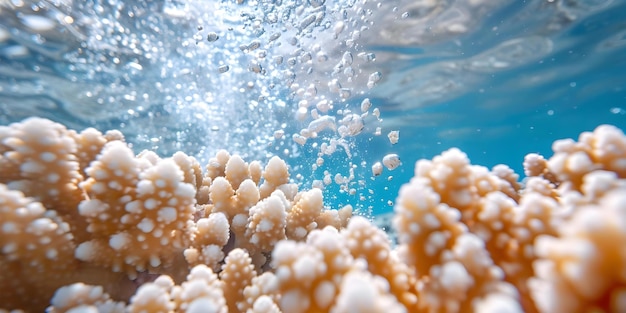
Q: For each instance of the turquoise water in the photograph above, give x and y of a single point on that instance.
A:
(498, 79)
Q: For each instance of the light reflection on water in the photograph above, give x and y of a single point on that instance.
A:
(199, 76)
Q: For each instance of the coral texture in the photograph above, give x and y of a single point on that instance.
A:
(87, 225)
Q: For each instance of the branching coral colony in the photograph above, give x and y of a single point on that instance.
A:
(86, 224)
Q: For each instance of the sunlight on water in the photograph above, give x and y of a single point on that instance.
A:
(309, 80)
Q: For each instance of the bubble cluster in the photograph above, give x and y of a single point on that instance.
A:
(262, 78)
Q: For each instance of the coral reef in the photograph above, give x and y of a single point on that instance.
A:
(88, 225)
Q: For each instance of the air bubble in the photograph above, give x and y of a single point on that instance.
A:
(346, 59)
(323, 106)
(299, 139)
(345, 93)
(376, 112)
(307, 21)
(305, 57)
(255, 67)
(365, 105)
(373, 79)
(393, 136)
(339, 27)
(316, 3)
(367, 57)
(391, 161)
(255, 44)
(352, 125)
(322, 123)
(274, 36)
(377, 169)
(321, 56)
(279, 134)
(349, 72)
(319, 161)
(334, 86)
(223, 69)
(211, 37)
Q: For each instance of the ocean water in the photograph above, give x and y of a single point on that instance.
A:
(496, 78)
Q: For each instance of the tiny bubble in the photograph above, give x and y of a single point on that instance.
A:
(223, 69)
(211, 37)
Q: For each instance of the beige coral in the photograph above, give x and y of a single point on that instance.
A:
(365, 293)
(309, 274)
(136, 213)
(201, 292)
(153, 297)
(139, 214)
(301, 217)
(470, 239)
(466, 276)
(276, 174)
(266, 223)
(263, 286)
(217, 165)
(37, 157)
(37, 251)
(335, 218)
(452, 264)
(371, 244)
(579, 269)
(191, 170)
(209, 237)
(604, 148)
(426, 227)
(90, 142)
(237, 273)
(264, 304)
(81, 297)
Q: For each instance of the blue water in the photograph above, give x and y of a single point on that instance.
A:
(496, 78)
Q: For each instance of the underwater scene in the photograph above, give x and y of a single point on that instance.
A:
(313, 156)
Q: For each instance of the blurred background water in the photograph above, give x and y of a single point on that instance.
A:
(496, 78)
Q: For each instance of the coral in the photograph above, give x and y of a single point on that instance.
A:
(90, 142)
(237, 273)
(104, 216)
(276, 174)
(210, 236)
(581, 268)
(263, 288)
(38, 157)
(301, 217)
(371, 244)
(602, 149)
(84, 298)
(88, 225)
(29, 232)
(310, 274)
(202, 292)
(266, 223)
(139, 214)
(365, 293)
